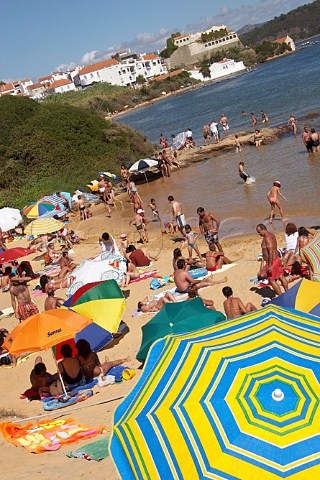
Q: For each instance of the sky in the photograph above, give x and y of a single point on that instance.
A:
(37, 37)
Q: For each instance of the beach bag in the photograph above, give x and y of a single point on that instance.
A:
(157, 283)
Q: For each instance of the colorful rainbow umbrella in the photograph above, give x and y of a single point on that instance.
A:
(311, 252)
(303, 296)
(104, 303)
(42, 226)
(179, 141)
(35, 210)
(239, 400)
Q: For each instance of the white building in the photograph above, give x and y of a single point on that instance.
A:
(217, 70)
(24, 84)
(106, 71)
(288, 40)
(36, 91)
(61, 86)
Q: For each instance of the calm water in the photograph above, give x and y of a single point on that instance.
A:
(290, 84)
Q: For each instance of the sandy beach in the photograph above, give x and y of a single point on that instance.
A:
(21, 464)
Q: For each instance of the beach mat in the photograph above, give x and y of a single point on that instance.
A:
(47, 435)
(92, 451)
(62, 401)
(145, 275)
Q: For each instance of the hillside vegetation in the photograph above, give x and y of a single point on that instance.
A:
(46, 147)
(301, 23)
(105, 99)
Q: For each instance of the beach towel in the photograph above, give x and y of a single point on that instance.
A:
(18, 361)
(136, 313)
(62, 401)
(48, 435)
(145, 275)
(93, 451)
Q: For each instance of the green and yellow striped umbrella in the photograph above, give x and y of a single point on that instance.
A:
(41, 226)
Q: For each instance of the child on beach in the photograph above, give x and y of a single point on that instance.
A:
(124, 243)
(242, 173)
(192, 239)
(174, 160)
(273, 199)
(238, 144)
(154, 209)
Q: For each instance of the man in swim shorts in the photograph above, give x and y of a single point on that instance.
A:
(177, 215)
(209, 227)
(271, 258)
(224, 123)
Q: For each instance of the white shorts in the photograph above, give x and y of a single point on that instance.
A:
(181, 221)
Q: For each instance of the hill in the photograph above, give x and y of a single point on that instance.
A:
(301, 23)
(49, 147)
(247, 28)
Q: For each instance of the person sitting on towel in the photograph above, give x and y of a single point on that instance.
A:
(215, 259)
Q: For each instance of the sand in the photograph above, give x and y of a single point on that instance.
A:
(21, 464)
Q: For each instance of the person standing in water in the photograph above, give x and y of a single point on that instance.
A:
(245, 176)
(273, 199)
(253, 119)
(292, 123)
(265, 119)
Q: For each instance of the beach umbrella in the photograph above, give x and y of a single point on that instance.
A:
(303, 296)
(35, 210)
(42, 226)
(9, 218)
(311, 252)
(14, 253)
(144, 164)
(177, 317)
(45, 330)
(104, 303)
(105, 266)
(179, 141)
(239, 400)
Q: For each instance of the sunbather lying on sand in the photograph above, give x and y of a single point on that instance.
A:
(148, 305)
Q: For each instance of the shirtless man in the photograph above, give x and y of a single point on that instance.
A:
(215, 259)
(82, 208)
(21, 301)
(273, 199)
(183, 279)
(138, 221)
(207, 227)
(207, 134)
(306, 139)
(315, 141)
(177, 215)
(224, 123)
(271, 258)
(52, 302)
(104, 190)
(233, 306)
(136, 201)
(166, 162)
(40, 378)
(265, 119)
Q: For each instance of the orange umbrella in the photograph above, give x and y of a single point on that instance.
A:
(44, 330)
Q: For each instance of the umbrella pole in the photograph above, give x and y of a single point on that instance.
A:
(59, 373)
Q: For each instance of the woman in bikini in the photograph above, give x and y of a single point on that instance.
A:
(90, 363)
(273, 199)
(149, 305)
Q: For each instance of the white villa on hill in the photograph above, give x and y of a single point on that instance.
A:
(288, 40)
(217, 70)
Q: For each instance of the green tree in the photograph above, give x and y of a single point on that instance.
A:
(171, 47)
(140, 80)
(204, 65)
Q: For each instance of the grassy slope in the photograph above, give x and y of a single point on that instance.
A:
(48, 147)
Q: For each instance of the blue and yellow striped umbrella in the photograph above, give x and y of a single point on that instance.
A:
(239, 400)
(303, 296)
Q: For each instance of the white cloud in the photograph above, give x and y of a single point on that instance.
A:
(232, 17)
(245, 14)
